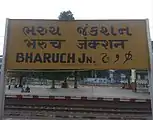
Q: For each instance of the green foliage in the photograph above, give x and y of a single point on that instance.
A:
(66, 15)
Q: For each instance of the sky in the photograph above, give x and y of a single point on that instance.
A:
(82, 9)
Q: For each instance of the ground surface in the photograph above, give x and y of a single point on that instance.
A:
(115, 92)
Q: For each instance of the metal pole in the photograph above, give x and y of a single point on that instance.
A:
(95, 74)
(150, 71)
(92, 73)
(3, 70)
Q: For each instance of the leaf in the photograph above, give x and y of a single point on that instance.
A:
(66, 15)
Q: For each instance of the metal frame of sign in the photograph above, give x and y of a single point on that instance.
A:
(150, 71)
(3, 69)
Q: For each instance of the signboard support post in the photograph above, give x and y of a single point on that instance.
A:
(3, 70)
(150, 71)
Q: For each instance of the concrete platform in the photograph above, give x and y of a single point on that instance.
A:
(110, 92)
(20, 119)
